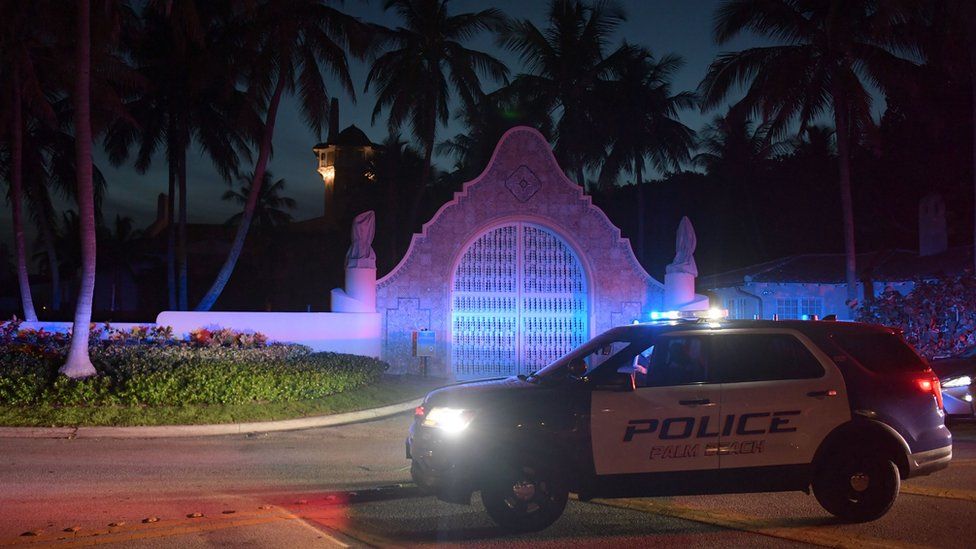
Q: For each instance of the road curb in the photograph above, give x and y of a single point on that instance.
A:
(176, 431)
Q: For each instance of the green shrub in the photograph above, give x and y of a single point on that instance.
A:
(153, 375)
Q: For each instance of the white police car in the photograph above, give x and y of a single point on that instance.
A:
(691, 408)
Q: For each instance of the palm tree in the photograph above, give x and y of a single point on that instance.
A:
(735, 154)
(25, 44)
(119, 254)
(269, 212)
(485, 123)
(187, 53)
(78, 364)
(49, 168)
(831, 49)
(113, 18)
(292, 42)
(733, 150)
(565, 62)
(426, 60)
(642, 118)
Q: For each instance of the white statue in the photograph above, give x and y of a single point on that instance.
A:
(684, 250)
(361, 254)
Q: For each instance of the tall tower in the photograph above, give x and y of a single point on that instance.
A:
(343, 162)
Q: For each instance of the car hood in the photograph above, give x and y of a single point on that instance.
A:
(483, 393)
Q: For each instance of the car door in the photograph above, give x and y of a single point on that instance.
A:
(780, 394)
(666, 422)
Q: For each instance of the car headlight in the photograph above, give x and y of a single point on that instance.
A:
(450, 420)
(961, 381)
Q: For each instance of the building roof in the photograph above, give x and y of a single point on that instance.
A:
(886, 266)
(349, 137)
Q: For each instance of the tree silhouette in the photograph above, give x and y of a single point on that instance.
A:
(642, 118)
(269, 210)
(830, 50)
(426, 60)
(292, 41)
(565, 62)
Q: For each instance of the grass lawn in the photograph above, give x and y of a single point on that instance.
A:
(389, 390)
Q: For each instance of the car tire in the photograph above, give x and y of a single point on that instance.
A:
(857, 487)
(525, 498)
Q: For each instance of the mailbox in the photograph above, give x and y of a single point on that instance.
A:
(423, 343)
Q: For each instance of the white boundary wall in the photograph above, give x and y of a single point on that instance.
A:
(354, 333)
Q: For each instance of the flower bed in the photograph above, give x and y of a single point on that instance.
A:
(149, 367)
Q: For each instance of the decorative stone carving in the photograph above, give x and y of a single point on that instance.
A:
(359, 295)
(679, 276)
(523, 184)
(361, 254)
(684, 250)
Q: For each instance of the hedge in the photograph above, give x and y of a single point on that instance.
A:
(167, 372)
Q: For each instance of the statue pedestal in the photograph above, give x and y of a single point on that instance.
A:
(679, 293)
(359, 296)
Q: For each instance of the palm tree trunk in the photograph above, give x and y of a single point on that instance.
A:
(418, 196)
(639, 177)
(252, 200)
(182, 304)
(847, 203)
(16, 191)
(171, 240)
(78, 364)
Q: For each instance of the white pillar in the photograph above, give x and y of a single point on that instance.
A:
(359, 295)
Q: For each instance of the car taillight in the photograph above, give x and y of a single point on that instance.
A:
(930, 384)
(419, 411)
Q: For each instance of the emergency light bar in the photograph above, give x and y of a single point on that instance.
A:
(710, 314)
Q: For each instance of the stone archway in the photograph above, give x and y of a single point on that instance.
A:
(522, 186)
(518, 301)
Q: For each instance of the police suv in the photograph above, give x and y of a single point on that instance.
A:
(681, 408)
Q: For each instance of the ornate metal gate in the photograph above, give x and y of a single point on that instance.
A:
(518, 302)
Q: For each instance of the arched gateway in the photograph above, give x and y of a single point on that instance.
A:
(518, 301)
(516, 270)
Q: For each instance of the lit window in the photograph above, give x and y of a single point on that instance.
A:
(799, 307)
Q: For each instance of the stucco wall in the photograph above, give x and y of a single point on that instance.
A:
(355, 333)
(834, 296)
(522, 182)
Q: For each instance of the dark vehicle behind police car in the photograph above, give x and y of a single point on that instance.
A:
(956, 375)
(690, 408)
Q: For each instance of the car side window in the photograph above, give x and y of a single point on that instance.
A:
(740, 358)
(678, 361)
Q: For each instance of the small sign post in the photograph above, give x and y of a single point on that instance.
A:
(423, 346)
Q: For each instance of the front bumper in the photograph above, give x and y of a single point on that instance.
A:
(924, 463)
(448, 466)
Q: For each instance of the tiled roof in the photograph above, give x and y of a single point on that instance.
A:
(888, 266)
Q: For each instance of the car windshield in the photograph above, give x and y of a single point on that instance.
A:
(611, 349)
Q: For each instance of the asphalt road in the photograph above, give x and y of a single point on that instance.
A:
(348, 486)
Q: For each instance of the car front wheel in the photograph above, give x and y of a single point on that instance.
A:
(857, 487)
(525, 498)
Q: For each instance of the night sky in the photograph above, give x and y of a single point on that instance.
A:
(663, 26)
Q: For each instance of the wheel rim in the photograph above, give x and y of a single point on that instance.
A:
(527, 495)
